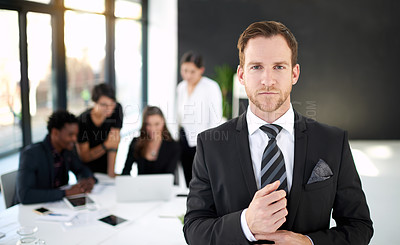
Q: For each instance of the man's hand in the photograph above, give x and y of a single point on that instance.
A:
(74, 190)
(87, 184)
(267, 211)
(282, 237)
(83, 186)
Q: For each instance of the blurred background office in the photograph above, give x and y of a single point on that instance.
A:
(52, 52)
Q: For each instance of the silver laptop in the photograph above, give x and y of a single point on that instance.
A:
(149, 187)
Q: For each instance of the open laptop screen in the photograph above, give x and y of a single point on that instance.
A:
(149, 187)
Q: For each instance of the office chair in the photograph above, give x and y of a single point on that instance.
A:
(8, 182)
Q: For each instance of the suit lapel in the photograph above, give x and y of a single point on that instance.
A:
(300, 149)
(243, 148)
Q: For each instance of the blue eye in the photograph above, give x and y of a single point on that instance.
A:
(279, 67)
(256, 67)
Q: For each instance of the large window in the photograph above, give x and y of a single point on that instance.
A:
(10, 90)
(85, 40)
(89, 6)
(128, 61)
(40, 1)
(51, 56)
(39, 72)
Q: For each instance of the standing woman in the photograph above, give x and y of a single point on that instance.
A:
(99, 131)
(199, 102)
(154, 151)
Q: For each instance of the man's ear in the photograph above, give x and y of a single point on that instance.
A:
(295, 74)
(55, 132)
(240, 74)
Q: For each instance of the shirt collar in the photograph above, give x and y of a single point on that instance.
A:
(286, 121)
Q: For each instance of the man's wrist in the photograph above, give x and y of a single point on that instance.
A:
(245, 228)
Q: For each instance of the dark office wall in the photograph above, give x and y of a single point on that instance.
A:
(348, 54)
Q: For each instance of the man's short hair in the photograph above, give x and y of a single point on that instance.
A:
(267, 29)
(59, 118)
(103, 89)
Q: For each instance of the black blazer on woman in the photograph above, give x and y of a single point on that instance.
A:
(166, 161)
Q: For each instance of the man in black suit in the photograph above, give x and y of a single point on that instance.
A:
(44, 166)
(279, 183)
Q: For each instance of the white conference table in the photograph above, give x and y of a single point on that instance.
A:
(148, 222)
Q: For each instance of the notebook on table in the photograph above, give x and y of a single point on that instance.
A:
(149, 187)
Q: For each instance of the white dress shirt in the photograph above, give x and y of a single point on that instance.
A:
(200, 110)
(258, 140)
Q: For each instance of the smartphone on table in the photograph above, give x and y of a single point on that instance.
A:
(42, 211)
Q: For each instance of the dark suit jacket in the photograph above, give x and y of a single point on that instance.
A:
(36, 173)
(223, 185)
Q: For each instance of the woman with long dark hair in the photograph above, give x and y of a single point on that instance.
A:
(154, 151)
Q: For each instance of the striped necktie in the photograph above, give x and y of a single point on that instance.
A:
(273, 163)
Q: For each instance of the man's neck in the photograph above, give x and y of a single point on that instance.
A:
(272, 116)
(55, 146)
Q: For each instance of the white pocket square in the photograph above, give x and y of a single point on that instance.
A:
(321, 172)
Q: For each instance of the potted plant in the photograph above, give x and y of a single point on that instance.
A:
(224, 77)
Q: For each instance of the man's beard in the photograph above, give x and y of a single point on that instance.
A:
(268, 104)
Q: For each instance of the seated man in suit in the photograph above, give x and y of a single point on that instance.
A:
(272, 176)
(44, 166)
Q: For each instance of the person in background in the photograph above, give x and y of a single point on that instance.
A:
(199, 107)
(154, 151)
(44, 166)
(99, 131)
(276, 177)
